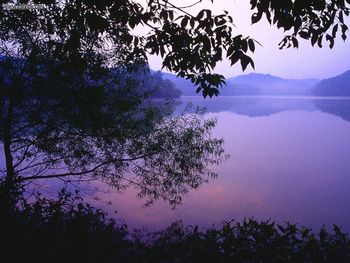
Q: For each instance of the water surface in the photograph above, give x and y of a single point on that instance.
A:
(290, 161)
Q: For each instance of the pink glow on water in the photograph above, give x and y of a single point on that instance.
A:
(291, 166)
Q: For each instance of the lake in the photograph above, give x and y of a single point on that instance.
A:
(290, 161)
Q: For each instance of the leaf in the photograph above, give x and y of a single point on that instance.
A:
(251, 45)
(331, 41)
(304, 35)
(235, 57)
(314, 39)
(256, 17)
(171, 15)
(192, 23)
(205, 93)
(184, 22)
(220, 22)
(200, 15)
(319, 42)
(341, 17)
(208, 13)
(253, 4)
(283, 43)
(295, 42)
(334, 31)
(244, 62)
(244, 46)
(230, 51)
(344, 28)
(252, 63)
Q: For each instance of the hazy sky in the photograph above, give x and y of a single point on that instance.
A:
(305, 62)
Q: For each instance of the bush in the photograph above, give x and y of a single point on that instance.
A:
(69, 230)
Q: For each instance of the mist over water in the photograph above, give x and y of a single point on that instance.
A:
(290, 161)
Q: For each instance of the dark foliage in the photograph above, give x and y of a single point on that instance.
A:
(71, 107)
(317, 21)
(91, 34)
(62, 230)
(154, 84)
(86, 37)
(111, 131)
(162, 88)
(69, 230)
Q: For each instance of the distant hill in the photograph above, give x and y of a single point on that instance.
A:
(266, 84)
(253, 84)
(336, 86)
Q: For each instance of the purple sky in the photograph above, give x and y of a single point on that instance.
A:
(305, 62)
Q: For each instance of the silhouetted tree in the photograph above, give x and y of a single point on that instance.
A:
(94, 33)
(57, 63)
(314, 20)
(72, 107)
(85, 36)
(114, 133)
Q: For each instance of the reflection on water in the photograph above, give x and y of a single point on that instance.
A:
(291, 162)
(341, 108)
(266, 106)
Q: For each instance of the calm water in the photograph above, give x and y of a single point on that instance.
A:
(290, 161)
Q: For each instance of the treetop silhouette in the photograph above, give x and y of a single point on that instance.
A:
(94, 33)
(67, 77)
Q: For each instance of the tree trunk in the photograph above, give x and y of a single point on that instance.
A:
(9, 188)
